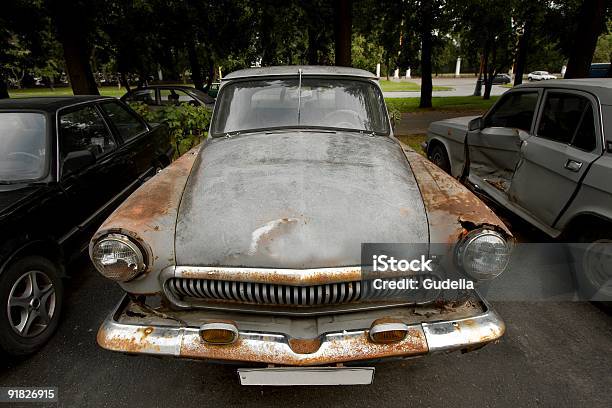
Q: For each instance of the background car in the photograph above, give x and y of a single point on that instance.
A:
(65, 164)
(543, 151)
(501, 79)
(158, 96)
(600, 70)
(540, 76)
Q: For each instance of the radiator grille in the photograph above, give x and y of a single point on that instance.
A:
(264, 293)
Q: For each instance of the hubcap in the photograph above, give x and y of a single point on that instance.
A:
(437, 159)
(597, 261)
(31, 304)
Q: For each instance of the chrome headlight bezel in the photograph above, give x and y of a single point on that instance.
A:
(471, 238)
(135, 270)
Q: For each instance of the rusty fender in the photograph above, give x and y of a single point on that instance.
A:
(452, 210)
(184, 341)
(149, 216)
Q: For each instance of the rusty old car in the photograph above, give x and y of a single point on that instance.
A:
(248, 249)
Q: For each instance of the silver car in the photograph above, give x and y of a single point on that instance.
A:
(544, 152)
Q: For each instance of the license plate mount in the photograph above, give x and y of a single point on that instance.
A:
(287, 376)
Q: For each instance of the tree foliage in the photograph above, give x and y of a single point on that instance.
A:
(136, 41)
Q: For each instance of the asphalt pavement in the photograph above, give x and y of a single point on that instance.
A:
(553, 354)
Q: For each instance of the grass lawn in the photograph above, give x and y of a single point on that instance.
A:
(393, 86)
(441, 103)
(414, 141)
(63, 91)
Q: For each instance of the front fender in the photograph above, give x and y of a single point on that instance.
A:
(148, 216)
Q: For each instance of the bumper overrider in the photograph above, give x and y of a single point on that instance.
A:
(139, 333)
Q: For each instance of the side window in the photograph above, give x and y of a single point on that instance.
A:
(127, 123)
(84, 129)
(515, 110)
(174, 97)
(146, 96)
(585, 137)
(568, 118)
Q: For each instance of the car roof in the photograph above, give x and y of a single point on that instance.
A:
(601, 87)
(48, 103)
(293, 70)
(142, 88)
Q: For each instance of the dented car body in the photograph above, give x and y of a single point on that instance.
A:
(248, 248)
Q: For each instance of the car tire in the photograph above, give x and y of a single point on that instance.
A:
(438, 156)
(592, 274)
(31, 293)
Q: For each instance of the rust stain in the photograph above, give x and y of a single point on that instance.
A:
(305, 346)
(278, 276)
(384, 320)
(153, 199)
(448, 202)
(405, 212)
(341, 350)
(127, 345)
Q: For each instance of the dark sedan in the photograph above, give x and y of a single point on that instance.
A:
(159, 96)
(65, 164)
(502, 79)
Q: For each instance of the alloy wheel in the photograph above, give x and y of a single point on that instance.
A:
(31, 303)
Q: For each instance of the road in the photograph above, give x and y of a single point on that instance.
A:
(553, 354)
(462, 87)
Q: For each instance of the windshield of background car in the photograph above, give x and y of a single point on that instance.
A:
(23, 144)
(282, 103)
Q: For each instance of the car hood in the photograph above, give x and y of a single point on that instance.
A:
(441, 126)
(299, 199)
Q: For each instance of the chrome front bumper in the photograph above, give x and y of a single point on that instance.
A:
(184, 341)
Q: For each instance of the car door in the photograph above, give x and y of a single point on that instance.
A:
(137, 146)
(89, 184)
(494, 150)
(553, 162)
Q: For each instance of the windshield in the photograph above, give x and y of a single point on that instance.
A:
(277, 103)
(23, 144)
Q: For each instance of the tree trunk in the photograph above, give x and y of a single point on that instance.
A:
(124, 81)
(343, 31)
(590, 25)
(3, 88)
(211, 75)
(312, 53)
(521, 55)
(76, 55)
(426, 45)
(196, 68)
(388, 65)
(72, 31)
(489, 68)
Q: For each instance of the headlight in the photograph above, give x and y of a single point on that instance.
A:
(118, 258)
(483, 254)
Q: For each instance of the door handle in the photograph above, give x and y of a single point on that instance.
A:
(573, 165)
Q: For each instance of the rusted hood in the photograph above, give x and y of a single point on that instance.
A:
(297, 200)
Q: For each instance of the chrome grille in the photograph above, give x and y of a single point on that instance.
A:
(265, 293)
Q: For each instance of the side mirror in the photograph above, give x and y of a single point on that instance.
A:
(476, 124)
(78, 160)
